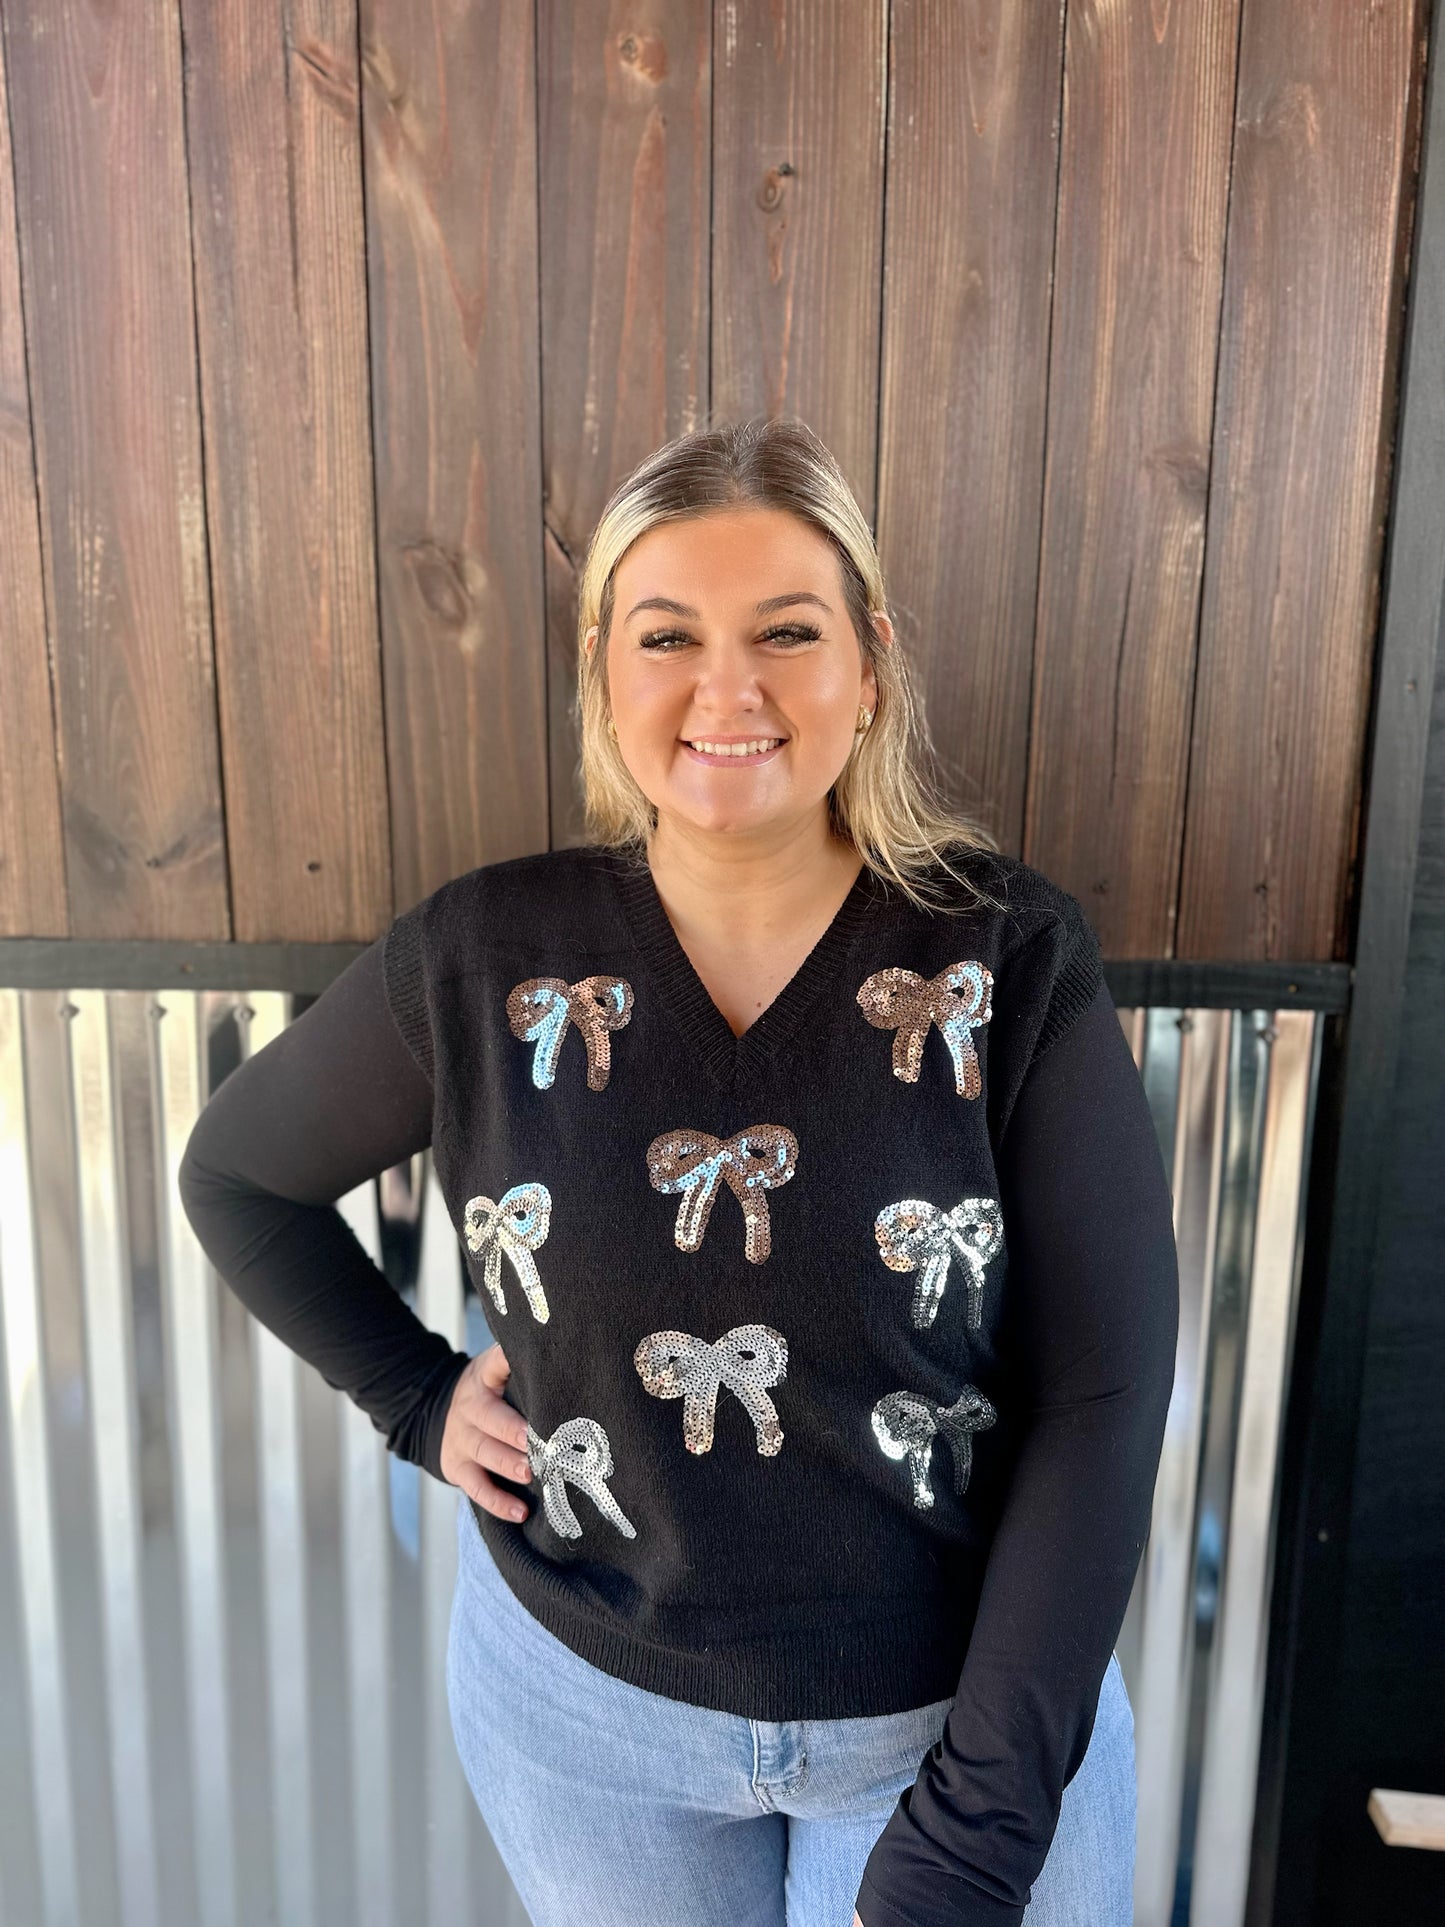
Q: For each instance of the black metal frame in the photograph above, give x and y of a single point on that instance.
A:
(61, 963)
(1357, 1084)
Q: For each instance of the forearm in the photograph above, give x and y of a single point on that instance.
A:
(301, 1272)
(333, 1100)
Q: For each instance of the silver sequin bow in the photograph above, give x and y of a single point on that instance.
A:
(914, 1235)
(516, 1224)
(751, 1162)
(577, 1453)
(906, 1424)
(540, 1009)
(958, 999)
(746, 1359)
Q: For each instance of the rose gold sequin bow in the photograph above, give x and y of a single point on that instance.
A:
(958, 999)
(905, 1424)
(516, 1224)
(540, 1009)
(579, 1454)
(914, 1235)
(746, 1359)
(753, 1161)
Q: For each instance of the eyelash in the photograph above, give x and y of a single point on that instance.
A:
(799, 631)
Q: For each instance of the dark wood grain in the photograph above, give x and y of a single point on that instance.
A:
(625, 181)
(449, 103)
(972, 165)
(97, 119)
(984, 251)
(1143, 181)
(32, 851)
(1303, 426)
(799, 97)
(275, 158)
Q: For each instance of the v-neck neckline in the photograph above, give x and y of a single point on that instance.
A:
(726, 1057)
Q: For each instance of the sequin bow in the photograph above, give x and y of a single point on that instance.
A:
(753, 1161)
(906, 1424)
(578, 1452)
(516, 1224)
(746, 1359)
(958, 999)
(540, 1009)
(914, 1235)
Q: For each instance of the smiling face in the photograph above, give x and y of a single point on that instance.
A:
(733, 670)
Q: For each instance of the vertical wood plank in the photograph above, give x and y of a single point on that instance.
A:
(799, 93)
(624, 99)
(32, 854)
(449, 106)
(972, 172)
(1143, 180)
(98, 126)
(275, 152)
(1304, 418)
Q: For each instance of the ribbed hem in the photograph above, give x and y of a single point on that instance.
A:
(888, 1664)
(405, 981)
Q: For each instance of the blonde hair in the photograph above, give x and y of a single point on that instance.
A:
(885, 801)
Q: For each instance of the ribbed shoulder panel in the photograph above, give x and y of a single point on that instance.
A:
(404, 974)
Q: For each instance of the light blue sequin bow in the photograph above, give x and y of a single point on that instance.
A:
(516, 1224)
(751, 1162)
(540, 1009)
(958, 999)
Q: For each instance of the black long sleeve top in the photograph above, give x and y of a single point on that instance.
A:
(844, 1346)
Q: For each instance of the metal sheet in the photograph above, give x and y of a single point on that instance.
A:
(231, 1607)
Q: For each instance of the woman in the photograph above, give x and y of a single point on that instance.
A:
(812, 1195)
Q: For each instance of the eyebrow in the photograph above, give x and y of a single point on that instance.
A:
(765, 608)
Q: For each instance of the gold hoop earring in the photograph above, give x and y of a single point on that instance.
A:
(865, 720)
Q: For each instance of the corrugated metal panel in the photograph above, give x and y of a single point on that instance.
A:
(1233, 1096)
(223, 1649)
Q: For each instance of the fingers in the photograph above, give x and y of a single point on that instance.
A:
(488, 1494)
(493, 1437)
(497, 1455)
(492, 1367)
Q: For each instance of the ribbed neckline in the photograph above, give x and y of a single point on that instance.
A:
(726, 1058)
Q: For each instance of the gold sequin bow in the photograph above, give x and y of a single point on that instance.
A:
(516, 1224)
(746, 1359)
(958, 999)
(578, 1452)
(540, 1009)
(914, 1235)
(753, 1161)
(906, 1424)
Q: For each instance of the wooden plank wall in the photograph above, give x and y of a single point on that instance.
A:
(325, 334)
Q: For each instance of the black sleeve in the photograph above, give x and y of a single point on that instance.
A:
(336, 1098)
(1088, 1227)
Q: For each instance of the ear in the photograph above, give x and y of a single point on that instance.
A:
(869, 687)
(589, 642)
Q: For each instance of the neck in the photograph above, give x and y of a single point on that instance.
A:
(750, 886)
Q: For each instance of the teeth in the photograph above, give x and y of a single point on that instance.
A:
(754, 748)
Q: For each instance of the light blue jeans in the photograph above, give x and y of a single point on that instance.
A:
(616, 1806)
